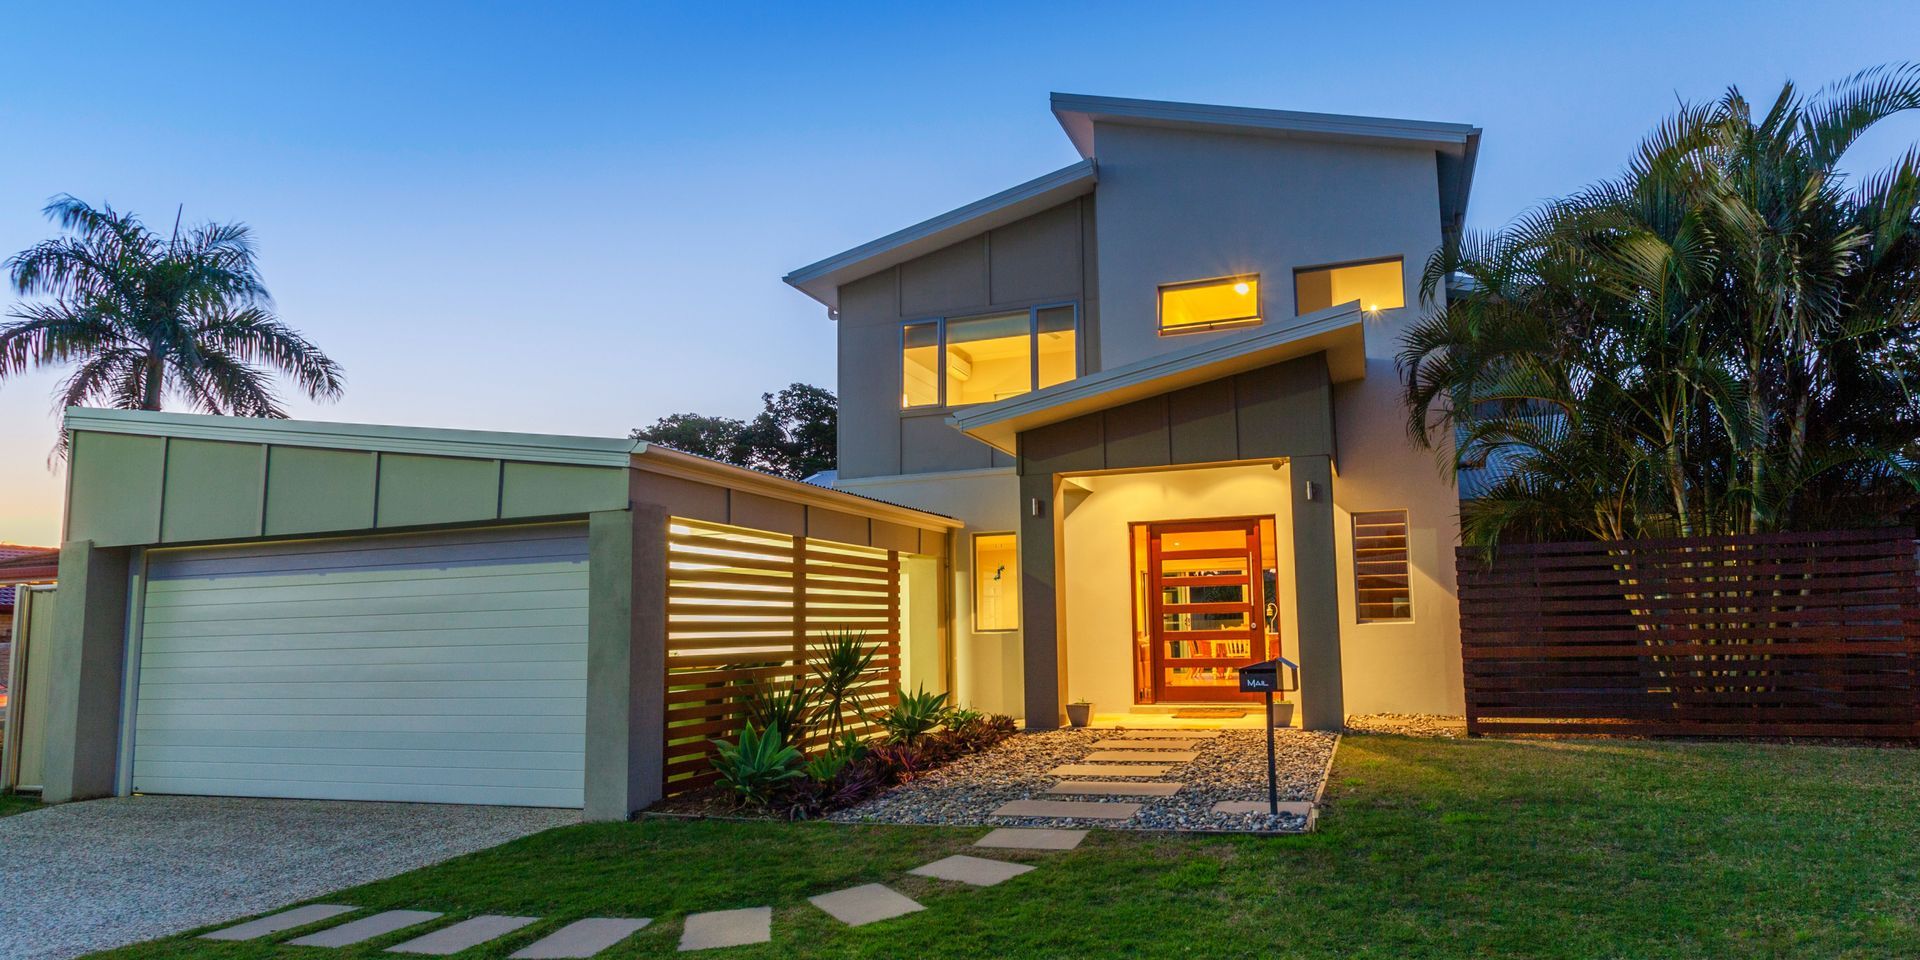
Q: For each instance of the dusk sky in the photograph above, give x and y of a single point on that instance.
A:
(573, 218)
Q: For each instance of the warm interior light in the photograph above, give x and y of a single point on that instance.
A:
(1375, 286)
(1199, 306)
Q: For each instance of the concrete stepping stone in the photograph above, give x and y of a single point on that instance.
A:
(471, 932)
(1140, 756)
(1149, 734)
(284, 920)
(727, 928)
(1108, 770)
(864, 904)
(1115, 788)
(1075, 809)
(1143, 744)
(365, 928)
(580, 939)
(1031, 838)
(977, 871)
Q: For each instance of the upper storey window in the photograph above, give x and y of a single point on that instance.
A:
(1209, 304)
(1377, 284)
(958, 361)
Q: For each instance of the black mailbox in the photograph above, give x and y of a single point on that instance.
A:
(1264, 677)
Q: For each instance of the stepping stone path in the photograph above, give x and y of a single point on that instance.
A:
(1108, 770)
(467, 933)
(1141, 756)
(1169, 734)
(581, 939)
(864, 904)
(1115, 788)
(279, 922)
(1143, 744)
(365, 928)
(1031, 838)
(727, 928)
(1075, 809)
(977, 871)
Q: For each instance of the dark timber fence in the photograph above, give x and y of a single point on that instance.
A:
(1791, 634)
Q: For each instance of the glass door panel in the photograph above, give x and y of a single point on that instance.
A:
(1206, 607)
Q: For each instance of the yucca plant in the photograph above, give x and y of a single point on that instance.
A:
(914, 716)
(756, 767)
(785, 710)
(842, 665)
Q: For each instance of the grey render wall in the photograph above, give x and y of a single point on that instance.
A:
(1180, 205)
(1045, 258)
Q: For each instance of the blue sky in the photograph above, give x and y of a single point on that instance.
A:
(573, 218)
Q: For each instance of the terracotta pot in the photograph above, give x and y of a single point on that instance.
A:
(1079, 713)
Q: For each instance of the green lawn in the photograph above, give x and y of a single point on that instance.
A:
(12, 803)
(1430, 849)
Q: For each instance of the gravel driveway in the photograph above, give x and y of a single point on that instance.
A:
(86, 876)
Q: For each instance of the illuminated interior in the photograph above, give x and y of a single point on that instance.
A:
(1377, 286)
(1201, 306)
(989, 358)
(920, 366)
(1055, 345)
(996, 582)
(1216, 607)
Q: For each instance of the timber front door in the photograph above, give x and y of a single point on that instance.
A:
(1204, 616)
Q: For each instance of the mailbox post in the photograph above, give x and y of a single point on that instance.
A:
(1264, 677)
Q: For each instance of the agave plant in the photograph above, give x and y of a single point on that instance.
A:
(842, 665)
(758, 765)
(914, 716)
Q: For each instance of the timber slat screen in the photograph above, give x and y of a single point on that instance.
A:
(1801, 634)
(747, 608)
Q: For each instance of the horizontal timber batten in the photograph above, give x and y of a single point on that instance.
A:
(750, 609)
(1780, 634)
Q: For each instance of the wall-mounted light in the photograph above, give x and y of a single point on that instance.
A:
(1312, 491)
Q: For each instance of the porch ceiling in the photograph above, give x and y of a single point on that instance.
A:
(1339, 332)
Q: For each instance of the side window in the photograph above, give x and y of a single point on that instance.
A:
(1382, 578)
(920, 365)
(1376, 284)
(996, 582)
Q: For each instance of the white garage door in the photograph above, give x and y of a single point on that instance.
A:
(448, 667)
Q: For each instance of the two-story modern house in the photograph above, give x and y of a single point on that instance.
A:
(1158, 388)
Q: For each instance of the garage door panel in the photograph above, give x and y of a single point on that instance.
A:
(445, 667)
(322, 675)
(229, 594)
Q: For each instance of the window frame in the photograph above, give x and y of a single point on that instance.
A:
(940, 351)
(1160, 305)
(1342, 265)
(973, 575)
(1353, 562)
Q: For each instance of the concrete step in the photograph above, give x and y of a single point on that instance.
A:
(1141, 756)
(1108, 770)
(1031, 838)
(1075, 809)
(1144, 744)
(1114, 788)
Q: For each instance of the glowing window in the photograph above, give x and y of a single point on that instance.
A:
(1382, 581)
(1209, 304)
(1377, 285)
(996, 582)
(1059, 359)
(989, 358)
(920, 365)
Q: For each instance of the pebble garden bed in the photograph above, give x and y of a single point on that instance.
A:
(1231, 766)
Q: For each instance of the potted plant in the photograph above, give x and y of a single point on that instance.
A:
(1282, 713)
(1079, 712)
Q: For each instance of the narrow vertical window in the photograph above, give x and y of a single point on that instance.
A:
(920, 365)
(1054, 342)
(996, 582)
(1382, 581)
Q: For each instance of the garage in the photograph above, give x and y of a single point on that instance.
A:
(448, 666)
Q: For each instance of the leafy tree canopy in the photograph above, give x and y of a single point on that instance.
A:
(794, 436)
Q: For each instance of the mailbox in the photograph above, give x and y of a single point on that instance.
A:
(1264, 677)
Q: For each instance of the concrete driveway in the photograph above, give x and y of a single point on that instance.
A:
(86, 876)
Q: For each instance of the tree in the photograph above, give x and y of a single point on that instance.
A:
(794, 435)
(1722, 340)
(147, 317)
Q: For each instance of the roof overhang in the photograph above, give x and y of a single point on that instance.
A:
(673, 463)
(1339, 332)
(1457, 144)
(822, 280)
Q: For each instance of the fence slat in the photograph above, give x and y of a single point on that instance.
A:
(1780, 634)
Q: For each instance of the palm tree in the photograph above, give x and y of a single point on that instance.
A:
(1725, 339)
(147, 317)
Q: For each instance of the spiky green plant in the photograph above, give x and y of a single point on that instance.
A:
(755, 767)
(843, 664)
(777, 707)
(915, 715)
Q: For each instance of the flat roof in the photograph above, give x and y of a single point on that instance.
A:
(1338, 331)
(822, 280)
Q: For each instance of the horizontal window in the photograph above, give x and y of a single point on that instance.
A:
(1209, 303)
(1377, 285)
(966, 360)
(1382, 581)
